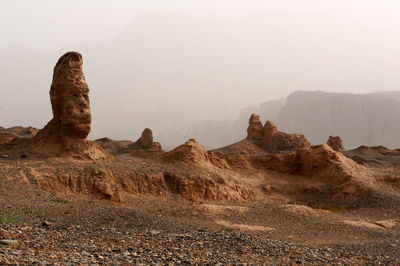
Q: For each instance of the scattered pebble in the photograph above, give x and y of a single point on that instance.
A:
(8, 242)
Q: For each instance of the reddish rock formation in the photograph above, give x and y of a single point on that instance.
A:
(275, 140)
(145, 142)
(65, 135)
(255, 131)
(335, 143)
(272, 140)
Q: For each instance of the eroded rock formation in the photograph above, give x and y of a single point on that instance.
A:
(65, 135)
(145, 142)
(272, 140)
(255, 130)
(335, 143)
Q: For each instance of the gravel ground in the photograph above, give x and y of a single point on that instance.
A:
(44, 245)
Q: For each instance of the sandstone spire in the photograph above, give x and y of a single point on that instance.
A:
(69, 95)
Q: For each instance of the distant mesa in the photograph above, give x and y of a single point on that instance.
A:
(335, 143)
(65, 135)
(269, 138)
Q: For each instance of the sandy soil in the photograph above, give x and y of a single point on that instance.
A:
(146, 210)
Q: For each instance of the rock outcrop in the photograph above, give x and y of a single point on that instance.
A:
(65, 135)
(269, 138)
(255, 130)
(145, 142)
(335, 143)
(275, 140)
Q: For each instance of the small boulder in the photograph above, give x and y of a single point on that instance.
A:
(8, 242)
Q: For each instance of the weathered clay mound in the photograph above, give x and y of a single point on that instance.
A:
(342, 180)
(335, 143)
(244, 147)
(193, 154)
(385, 151)
(9, 134)
(199, 188)
(374, 156)
(118, 180)
(65, 135)
(190, 153)
(269, 138)
(114, 147)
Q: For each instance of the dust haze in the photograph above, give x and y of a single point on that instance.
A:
(194, 68)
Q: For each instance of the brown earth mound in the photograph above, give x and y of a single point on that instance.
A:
(377, 156)
(335, 143)
(65, 135)
(114, 147)
(336, 178)
(9, 134)
(191, 153)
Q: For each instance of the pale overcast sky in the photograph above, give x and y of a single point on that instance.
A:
(48, 24)
(149, 60)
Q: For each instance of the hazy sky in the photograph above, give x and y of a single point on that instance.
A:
(210, 58)
(49, 24)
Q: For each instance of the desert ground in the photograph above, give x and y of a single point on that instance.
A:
(271, 198)
(151, 221)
